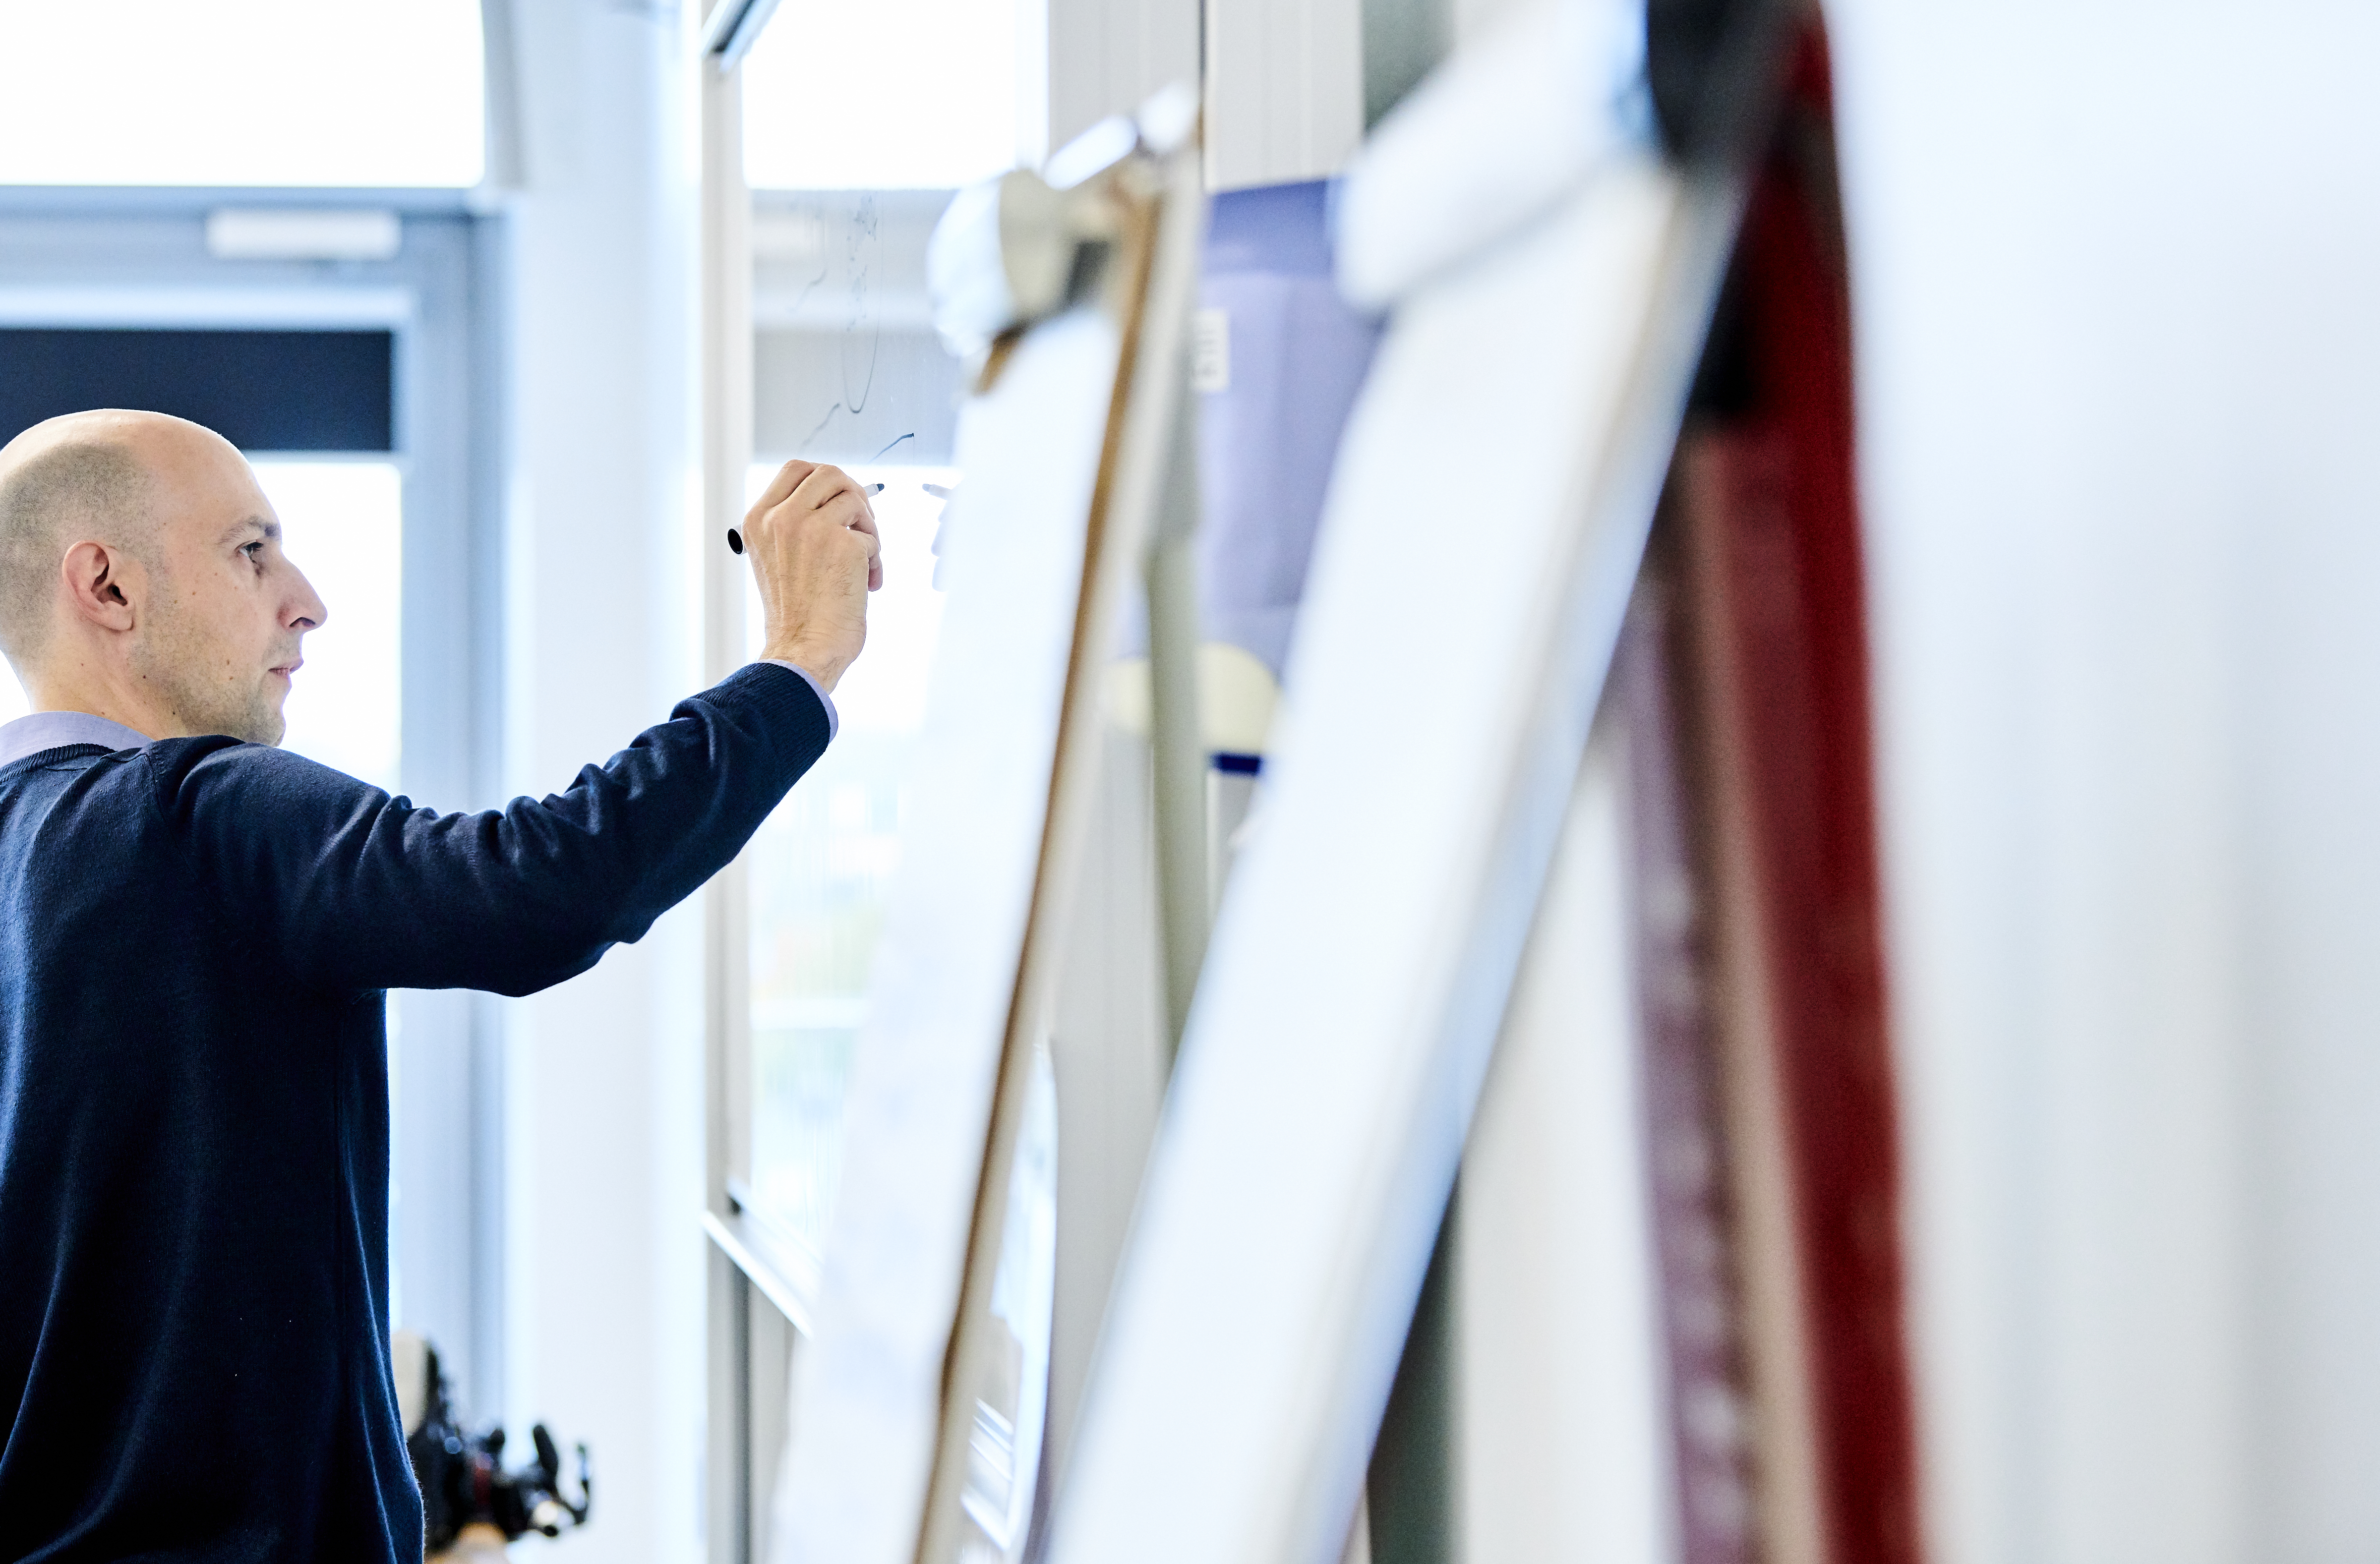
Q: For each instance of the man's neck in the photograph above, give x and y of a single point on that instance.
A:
(95, 693)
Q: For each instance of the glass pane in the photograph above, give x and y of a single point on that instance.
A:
(822, 866)
(343, 524)
(936, 106)
(340, 92)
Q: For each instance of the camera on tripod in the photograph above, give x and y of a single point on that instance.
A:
(462, 1473)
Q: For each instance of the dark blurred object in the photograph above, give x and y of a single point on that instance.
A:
(1712, 69)
(462, 1478)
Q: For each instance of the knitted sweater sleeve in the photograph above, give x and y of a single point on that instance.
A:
(338, 885)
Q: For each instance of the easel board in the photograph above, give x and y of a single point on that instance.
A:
(1060, 453)
(869, 1383)
(1481, 537)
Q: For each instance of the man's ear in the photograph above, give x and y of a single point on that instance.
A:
(96, 578)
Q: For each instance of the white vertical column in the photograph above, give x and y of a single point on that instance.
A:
(603, 1088)
(1106, 56)
(1284, 89)
(731, 1466)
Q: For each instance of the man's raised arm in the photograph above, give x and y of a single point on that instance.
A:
(346, 887)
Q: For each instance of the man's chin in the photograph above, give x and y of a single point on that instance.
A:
(265, 725)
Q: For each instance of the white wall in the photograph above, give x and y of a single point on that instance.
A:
(2114, 271)
(604, 1262)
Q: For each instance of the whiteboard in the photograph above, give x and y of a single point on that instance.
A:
(846, 364)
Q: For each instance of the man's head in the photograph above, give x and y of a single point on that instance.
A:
(142, 576)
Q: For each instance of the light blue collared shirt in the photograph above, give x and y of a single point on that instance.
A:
(56, 730)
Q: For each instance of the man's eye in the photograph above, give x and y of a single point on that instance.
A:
(255, 551)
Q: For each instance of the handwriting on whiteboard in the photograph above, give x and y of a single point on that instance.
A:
(847, 367)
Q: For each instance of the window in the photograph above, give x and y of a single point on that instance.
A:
(343, 525)
(353, 389)
(940, 110)
(823, 866)
(256, 92)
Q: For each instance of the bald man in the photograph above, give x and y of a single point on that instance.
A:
(196, 932)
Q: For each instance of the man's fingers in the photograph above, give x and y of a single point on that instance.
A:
(827, 496)
(828, 492)
(864, 523)
(875, 560)
(847, 509)
(862, 527)
(787, 479)
(821, 486)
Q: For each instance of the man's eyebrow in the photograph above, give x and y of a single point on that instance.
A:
(270, 530)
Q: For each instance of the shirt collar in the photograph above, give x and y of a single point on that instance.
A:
(56, 730)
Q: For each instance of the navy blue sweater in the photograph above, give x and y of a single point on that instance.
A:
(194, 942)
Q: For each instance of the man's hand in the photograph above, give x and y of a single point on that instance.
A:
(812, 542)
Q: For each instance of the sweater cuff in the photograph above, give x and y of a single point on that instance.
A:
(833, 721)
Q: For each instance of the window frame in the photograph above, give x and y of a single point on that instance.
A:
(138, 258)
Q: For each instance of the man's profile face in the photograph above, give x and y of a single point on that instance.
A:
(225, 607)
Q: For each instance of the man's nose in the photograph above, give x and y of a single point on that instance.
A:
(306, 608)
